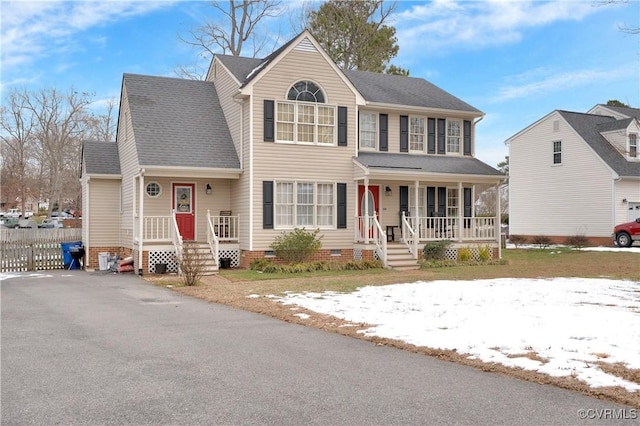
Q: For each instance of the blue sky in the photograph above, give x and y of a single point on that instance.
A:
(514, 60)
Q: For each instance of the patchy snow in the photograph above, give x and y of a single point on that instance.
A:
(570, 323)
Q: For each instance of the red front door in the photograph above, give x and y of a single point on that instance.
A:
(373, 201)
(185, 208)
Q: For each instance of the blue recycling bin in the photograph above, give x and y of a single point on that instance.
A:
(67, 260)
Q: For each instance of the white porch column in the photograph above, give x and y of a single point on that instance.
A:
(498, 220)
(460, 210)
(416, 223)
(365, 213)
(141, 223)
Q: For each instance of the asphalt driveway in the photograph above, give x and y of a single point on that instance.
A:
(95, 348)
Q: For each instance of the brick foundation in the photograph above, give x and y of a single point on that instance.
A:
(91, 256)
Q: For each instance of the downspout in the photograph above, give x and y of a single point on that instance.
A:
(499, 219)
(140, 219)
(85, 220)
(613, 200)
(366, 210)
(460, 210)
(416, 223)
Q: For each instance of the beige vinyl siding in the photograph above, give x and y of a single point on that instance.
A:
(226, 87)
(275, 161)
(104, 215)
(618, 139)
(128, 166)
(240, 189)
(557, 200)
(628, 189)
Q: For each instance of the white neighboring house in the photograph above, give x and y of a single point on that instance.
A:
(574, 173)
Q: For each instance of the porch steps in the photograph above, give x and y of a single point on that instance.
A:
(204, 259)
(399, 257)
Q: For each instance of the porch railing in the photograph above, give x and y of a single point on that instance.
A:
(369, 230)
(451, 228)
(212, 239)
(408, 236)
(177, 241)
(163, 228)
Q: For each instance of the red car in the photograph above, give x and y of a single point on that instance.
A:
(626, 233)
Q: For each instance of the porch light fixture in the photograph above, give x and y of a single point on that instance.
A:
(624, 200)
(387, 191)
(208, 189)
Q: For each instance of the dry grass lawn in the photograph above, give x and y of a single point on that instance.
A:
(232, 287)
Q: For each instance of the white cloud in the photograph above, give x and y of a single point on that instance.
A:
(546, 81)
(443, 23)
(33, 30)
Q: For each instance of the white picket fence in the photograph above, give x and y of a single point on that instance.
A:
(34, 249)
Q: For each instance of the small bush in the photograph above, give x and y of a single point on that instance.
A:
(578, 242)
(541, 241)
(296, 246)
(435, 250)
(269, 267)
(464, 254)
(484, 253)
(191, 265)
(517, 240)
(259, 264)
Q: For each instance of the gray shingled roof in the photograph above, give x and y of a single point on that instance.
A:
(427, 164)
(589, 127)
(178, 123)
(101, 158)
(629, 112)
(374, 87)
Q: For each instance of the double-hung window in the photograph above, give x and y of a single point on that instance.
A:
(453, 135)
(305, 204)
(304, 117)
(557, 152)
(633, 145)
(368, 130)
(416, 133)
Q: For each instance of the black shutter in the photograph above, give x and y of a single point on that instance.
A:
(404, 133)
(431, 135)
(269, 115)
(404, 202)
(467, 137)
(467, 207)
(442, 201)
(267, 204)
(341, 196)
(342, 126)
(431, 200)
(442, 147)
(384, 132)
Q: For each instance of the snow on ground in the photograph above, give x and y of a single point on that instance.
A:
(568, 322)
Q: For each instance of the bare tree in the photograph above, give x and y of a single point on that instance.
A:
(238, 26)
(630, 29)
(17, 129)
(103, 127)
(61, 121)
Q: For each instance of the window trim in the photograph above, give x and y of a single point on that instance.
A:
(424, 135)
(334, 207)
(556, 152)
(316, 123)
(146, 189)
(460, 136)
(634, 146)
(376, 130)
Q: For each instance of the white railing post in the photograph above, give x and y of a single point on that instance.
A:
(380, 239)
(212, 239)
(177, 242)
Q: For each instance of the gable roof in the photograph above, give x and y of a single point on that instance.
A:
(589, 126)
(178, 123)
(444, 164)
(626, 111)
(100, 158)
(374, 87)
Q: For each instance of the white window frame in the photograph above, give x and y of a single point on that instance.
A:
(557, 150)
(146, 189)
(453, 202)
(453, 138)
(417, 135)
(316, 122)
(633, 147)
(363, 127)
(291, 203)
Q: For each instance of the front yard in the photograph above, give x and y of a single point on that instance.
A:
(516, 318)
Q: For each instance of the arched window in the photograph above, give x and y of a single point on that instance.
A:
(306, 91)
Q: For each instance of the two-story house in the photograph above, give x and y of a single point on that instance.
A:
(574, 173)
(380, 164)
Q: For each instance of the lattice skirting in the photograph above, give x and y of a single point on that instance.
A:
(168, 257)
(357, 254)
(233, 254)
(452, 253)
